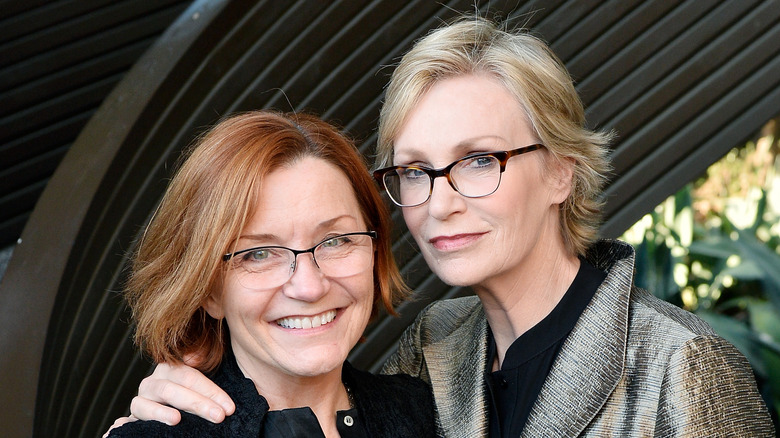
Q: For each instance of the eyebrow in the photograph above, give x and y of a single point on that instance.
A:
(265, 237)
(461, 147)
(258, 237)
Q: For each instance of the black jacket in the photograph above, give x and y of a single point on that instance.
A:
(388, 406)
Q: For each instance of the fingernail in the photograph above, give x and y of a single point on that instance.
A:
(228, 407)
(216, 415)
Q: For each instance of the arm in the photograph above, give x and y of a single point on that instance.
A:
(181, 387)
(709, 390)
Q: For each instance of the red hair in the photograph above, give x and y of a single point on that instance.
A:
(178, 263)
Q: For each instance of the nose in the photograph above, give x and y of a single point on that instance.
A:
(307, 282)
(445, 200)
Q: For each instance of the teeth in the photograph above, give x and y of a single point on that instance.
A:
(307, 322)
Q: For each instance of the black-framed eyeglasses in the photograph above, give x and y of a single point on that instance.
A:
(473, 176)
(266, 267)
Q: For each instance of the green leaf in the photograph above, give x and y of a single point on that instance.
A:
(764, 319)
(747, 270)
(766, 260)
(720, 247)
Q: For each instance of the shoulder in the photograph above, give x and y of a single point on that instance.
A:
(190, 426)
(683, 343)
(659, 335)
(384, 399)
(668, 323)
(384, 384)
(453, 308)
(647, 314)
(443, 317)
(706, 385)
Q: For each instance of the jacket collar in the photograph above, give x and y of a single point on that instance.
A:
(452, 364)
(591, 361)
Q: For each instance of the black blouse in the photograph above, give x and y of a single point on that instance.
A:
(385, 406)
(301, 422)
(513, 389)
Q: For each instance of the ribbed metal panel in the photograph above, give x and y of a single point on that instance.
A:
(58, 61)
(680, 81)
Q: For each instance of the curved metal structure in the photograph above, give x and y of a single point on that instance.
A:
(680, 82)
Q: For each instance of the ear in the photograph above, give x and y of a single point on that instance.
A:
(561, 179)
(213, 305)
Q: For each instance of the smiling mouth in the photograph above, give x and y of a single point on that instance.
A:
(307, 322)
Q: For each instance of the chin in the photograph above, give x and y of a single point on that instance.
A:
(458, 277)
(463, 273)
(315, 365)
(304, 371)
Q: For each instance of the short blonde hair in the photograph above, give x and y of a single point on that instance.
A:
(535, 76)
(178, 262)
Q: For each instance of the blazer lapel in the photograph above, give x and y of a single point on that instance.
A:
(456, 367)
(590, 363)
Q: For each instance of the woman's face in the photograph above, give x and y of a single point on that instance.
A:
(299, 206)
(471, 241)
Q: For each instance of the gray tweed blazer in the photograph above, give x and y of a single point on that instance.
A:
(633, 366)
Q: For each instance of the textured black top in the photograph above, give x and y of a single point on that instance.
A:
(385, 406)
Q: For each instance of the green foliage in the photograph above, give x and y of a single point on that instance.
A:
(714, 249)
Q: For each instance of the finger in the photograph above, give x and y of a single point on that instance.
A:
(145, 409)
(175, 384)
(153, 392)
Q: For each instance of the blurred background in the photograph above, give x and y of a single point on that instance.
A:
(98, 98)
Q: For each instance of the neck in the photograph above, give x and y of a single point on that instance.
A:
(516, 302)
(325, 394)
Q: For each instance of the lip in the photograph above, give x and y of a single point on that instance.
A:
(305, 323)
(454, 242)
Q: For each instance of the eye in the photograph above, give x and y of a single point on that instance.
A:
(413, 173)
(480, 162)
(257, 255)
(335, 242)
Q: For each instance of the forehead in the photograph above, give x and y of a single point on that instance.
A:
(456, 114)
(305, 198)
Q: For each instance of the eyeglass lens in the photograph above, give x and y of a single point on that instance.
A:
(472, 177)
(272, 266)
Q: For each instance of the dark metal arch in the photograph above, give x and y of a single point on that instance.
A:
(681, 82)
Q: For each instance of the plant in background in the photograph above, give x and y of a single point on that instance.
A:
(713, 248)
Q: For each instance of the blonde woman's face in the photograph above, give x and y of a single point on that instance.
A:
(491, 240)
(307, 326)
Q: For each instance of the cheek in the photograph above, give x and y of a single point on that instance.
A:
(361, 289)
(414, 218)
(240, 303)
(234, 310)
(364, 292)
(522, 191)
